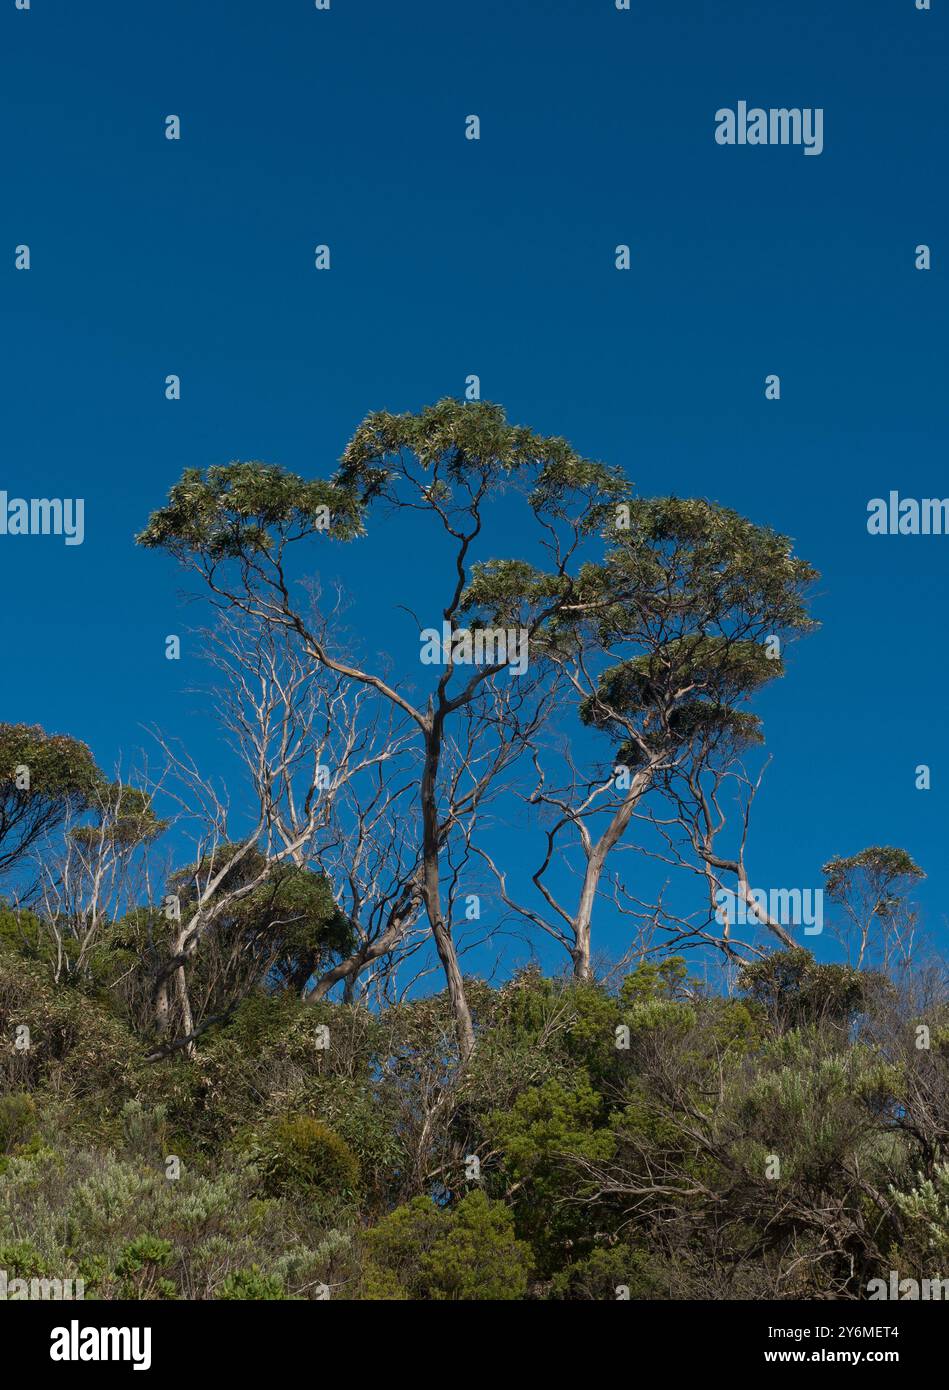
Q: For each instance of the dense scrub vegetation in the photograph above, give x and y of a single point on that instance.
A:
(787, 1141)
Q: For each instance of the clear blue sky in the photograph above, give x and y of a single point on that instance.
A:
(451, 257)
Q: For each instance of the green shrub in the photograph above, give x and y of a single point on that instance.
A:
(468, 1253)
(606, 1272)
(22, 1260)
(129, 1232)
(142, 1251)
(17, 1120)
(251, 1284)
(138, 1269)
(298, 1156)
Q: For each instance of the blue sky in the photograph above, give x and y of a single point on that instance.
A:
(493, 257)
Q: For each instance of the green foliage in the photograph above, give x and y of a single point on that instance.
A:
(925, 1209)
(810, 1108)
(542, 1138)
(715, 555)
(686, 606)
(726, 668)
(252, 1284)
(655, 1140)
(138, 1268)
(59, 767)
(22, 1260)
(237, 508)
(795, 990)
(652, 979)
(464, 439)
(63, 780)
(128, 1231)
(604, 1168)
(608, 1273)
(77, 1045)
(545, 1124)
(891, 871)
(299, 1157)
(469, 1252)
(17, 1120)
(285, 920)
(448, 460)
(142, 1251)
(551, 1027)
(125, 817)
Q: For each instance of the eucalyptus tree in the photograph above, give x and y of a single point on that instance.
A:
(88, 876)
(44, 780)
(236, 525)
(871, 891)
(286, 928)
(662, 642)
(336, 768)
(71, 841)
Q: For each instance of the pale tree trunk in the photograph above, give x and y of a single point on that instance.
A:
(448, 956)
(184, 1005)
(596, 859)
(349, 970)
(175, 983)
(431, 892)
(162, 1008)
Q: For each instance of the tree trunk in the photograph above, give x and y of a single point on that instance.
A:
(350, 969)
(431, 893)
(596, 859)
(448, 956)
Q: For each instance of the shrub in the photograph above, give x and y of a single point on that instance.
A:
(130, 1233)
(298, 1156)
(142, 1251)
(22, 1260)
(138, 1269)
(251, 1284)
(17, 1121)
(468, 1253)
(925, 1212)
(604, 1272)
